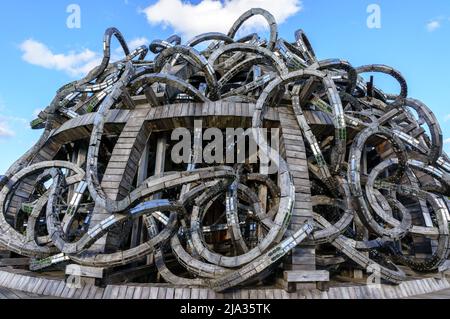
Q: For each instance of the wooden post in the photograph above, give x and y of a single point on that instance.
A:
(136, 232)
(160, 160)
(79, 158)
(160, 163)
(303, 257)
(358, 273)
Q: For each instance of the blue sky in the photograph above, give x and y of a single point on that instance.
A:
(40, 53)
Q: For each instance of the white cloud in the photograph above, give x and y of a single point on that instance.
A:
(213, 15)
(447, 118)
(447, 141)
(7, 121)
(137, 42)
(2, 103)
(73, 63)
(132, 45)
(5, 131)
(36, 112)
(13, 119)
(433, 25)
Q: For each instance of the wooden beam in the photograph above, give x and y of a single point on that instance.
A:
(160, 163)
(84, 271)
(127, 100)
(306, 276)
(128, 275)
(152, 99)
(160, 160)
(5, 262)
(136, 232)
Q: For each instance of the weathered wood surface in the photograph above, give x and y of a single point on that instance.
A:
(164, 118)
(293, 149)
(183, 115)
(442, 294)
(14, 262)
(84, 271)
(306, 276)
(22, 284)
(122, 168)
(6, 293)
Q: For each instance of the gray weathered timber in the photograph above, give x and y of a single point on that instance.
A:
(323, 175)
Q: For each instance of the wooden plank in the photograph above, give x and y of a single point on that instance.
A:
(31, 284)
(187, 293)
(203, 293)
(83, 292)
(9, 294)
(427, 285)
(407, 288)
(11, 281)
(277, 294)
(244, 294)
(195, 293)
(270, 294)
(8, 279)
(211, 294)
(307, 276)
(72, 292)
(37, 285)
(79, 292)
(153, 293)
(122, 292)
(178, 293)
(2, 296)
(108, 293)
(220, 296)
(418, 288)
(130, 292)
(84, 271)
(2, 277)
(112, 292)
(5, 262)
(170, 293)
(161, 293)
(19, 282)
(137, 293)
(145, 293)
(261, 294)
(308, 294)
(99, 293)
(237, 294)
(50, 287)
(42, 287)
(59, 288)
(92, 292)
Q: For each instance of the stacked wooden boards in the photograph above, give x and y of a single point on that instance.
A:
(25, 283)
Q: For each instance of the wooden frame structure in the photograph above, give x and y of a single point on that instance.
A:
(361, 183)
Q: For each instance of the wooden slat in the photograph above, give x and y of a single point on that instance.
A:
(153, 293)
(306, 276)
